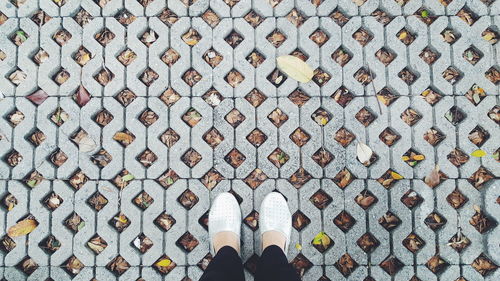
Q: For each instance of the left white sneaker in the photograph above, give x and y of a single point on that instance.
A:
(224, 215)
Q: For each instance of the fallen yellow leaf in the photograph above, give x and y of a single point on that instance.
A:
(164, 263)
(396, 176)
(478, 153)
(298, 247)
(191, 42)
(322, 239)
(22, 228)
(488, 36)
(122, 219)
(403, 35)
(122, 137)
(295, 68)
(419, 157)
(405, 158)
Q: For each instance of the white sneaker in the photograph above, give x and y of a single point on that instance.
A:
(225, 215)
(275, 216)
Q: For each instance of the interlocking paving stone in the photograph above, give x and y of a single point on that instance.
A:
(185, 103)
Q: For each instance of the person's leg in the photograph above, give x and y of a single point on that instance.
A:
(275, 227)
(225, 266)
(274, 266)
(224, 227)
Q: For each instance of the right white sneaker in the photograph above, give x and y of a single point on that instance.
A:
(225, 215)
(275, 216)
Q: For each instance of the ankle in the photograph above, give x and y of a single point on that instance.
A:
(226, 238)
(273, 238)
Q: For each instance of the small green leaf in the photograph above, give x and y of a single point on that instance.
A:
(31, 183)
(449, 116)
(425, 13)
(322, 239)
(128, 177)
(170, 181)
(469, 55)
(81, 225)
(317, 239)
(21, 35)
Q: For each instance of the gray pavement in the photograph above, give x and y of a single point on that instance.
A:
(121, 120)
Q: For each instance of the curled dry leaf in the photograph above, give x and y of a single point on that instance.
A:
(61, 77)
(125, 17)
(343, 178)
(434, 178)
(84, 141)
(456, 199)
(436, 264)
(346, 265)
(9, 202)
(212, 18)
(40, 57)
(53, 201)
(118, 265)
(17, 77)
(192, 37)
(475, 94)
(365, 199)
(82, 17)
(484, 265)
(82, 56)
(98, 201)
(3, 18)
(74, 266)
(124, 138)
(295, 68)
(364, 152)
(459, 241)
(127, 57)
(104, 37)
(149, 37)
(389, 178)
(23, 227)
(143, 243)
(449, 36)
(16, 117)
(58, 158)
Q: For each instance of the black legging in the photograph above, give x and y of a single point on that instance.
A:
(272, 266)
